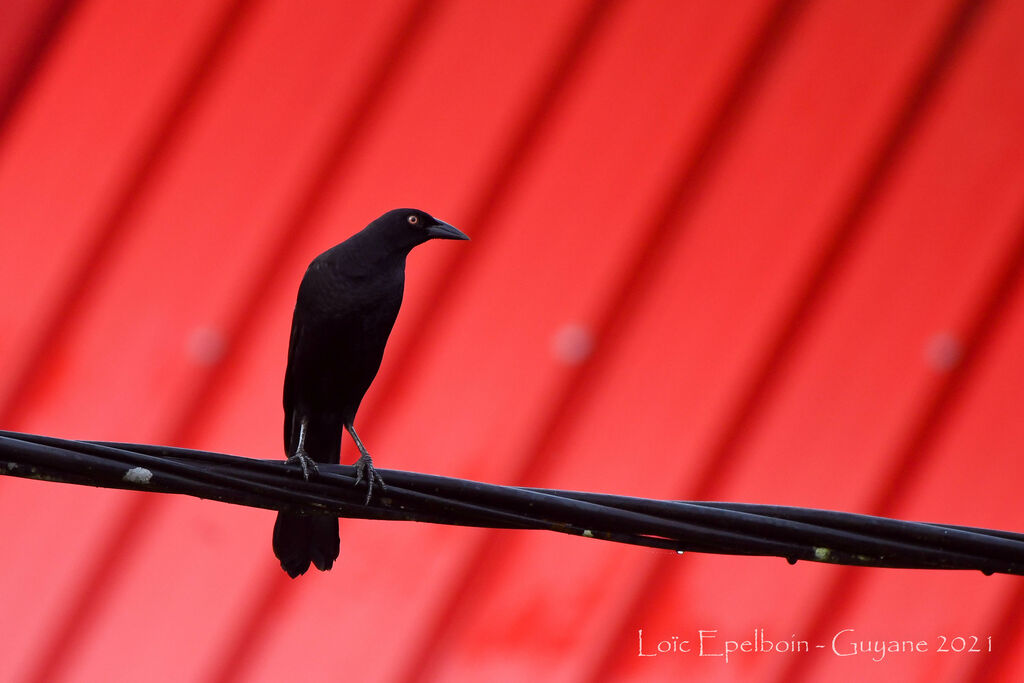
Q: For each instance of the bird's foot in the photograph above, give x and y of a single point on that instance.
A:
(366, 472)
(305, 462)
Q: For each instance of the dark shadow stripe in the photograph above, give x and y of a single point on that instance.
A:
(915, 450)
(723, 457)
(69, 628)
(500, 183)
(659, 228)
(71, 303)
(336, 160)
(917, 447)
(47, 35)
(504, 178)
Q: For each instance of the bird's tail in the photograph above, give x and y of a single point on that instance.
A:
(301, 539)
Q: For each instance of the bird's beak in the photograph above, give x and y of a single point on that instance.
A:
(444, 231)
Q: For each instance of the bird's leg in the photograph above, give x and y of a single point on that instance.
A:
(307, 463)
(364, 466)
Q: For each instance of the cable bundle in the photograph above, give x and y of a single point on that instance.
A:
(725, 528)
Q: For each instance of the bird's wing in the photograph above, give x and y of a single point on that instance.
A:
(289, 384)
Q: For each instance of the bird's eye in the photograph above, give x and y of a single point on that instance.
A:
(413, 220)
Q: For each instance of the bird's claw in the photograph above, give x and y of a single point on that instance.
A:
(305, 462)
(365, 471)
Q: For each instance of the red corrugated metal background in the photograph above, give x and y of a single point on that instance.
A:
(762, 250)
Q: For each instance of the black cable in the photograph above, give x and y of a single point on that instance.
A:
(712, 527)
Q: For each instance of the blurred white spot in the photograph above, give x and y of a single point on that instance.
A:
(944, 351)
(588, 533)
(206, 345)
(822, 554)
(138, 475)
(573, 343)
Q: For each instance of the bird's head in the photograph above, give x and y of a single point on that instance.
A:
(407, 228)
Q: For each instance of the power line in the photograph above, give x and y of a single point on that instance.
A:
(792, 533)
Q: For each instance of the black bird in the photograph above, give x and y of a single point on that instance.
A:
(347, 304)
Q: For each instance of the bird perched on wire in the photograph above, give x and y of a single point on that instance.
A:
(347, 304)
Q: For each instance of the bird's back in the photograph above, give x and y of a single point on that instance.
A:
(344, 313)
